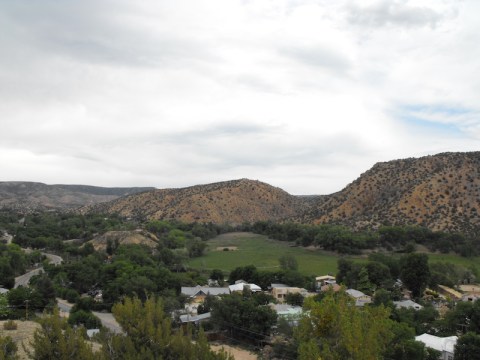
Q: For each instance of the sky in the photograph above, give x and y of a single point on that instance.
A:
(302, 94)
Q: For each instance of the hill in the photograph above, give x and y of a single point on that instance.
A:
(124, 238)
(440, 192)
(233, 202)
(34, 196)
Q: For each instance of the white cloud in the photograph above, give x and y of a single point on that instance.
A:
(302, 94)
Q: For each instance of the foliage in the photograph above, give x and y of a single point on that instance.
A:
(415, 273)
(467, 347)
(8, 349)
(242, 317)
(85, 318)
(336, 329)
(295, 299)
(4, 309)
(288, 262)
(149, 335)
(57, 340)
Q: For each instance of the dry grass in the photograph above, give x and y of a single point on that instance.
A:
(238, 353)
(23, 335)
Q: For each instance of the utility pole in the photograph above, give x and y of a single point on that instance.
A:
(26, 309)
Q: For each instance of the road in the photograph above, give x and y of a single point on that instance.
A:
(24, 279)
(107, 319)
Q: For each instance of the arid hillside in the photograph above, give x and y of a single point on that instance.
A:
(441, 192)
(231, 202)
(32, 196)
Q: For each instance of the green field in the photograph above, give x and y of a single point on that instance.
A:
(258, 250)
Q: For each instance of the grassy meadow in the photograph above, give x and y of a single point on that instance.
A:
(259, 250)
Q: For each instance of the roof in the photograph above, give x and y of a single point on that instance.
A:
(240, 286)
(355, 293)
(325, 277)
(3, 290)
(334, 287)
(438, 343)
(286, 310)
(408, 304)
(189, 318)
(193, 291)
(450, 291)
(279, 286)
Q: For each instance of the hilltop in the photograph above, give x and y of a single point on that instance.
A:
(440, 192)
(233, 202)
(27, 196)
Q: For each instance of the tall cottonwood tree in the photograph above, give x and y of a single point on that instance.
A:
(336, 329)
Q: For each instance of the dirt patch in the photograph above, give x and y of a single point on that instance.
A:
(23, 335)
(230, 248)
(238, 353)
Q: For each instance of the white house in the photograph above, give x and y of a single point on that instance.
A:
(407, 304)
(445, 345)
(241, 285)
(360, 298)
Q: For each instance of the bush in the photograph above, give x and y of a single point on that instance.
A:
(84, 318)
(10, 325)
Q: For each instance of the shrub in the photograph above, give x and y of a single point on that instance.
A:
(10, 325)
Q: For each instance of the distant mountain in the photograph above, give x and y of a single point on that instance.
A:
(441, 192)
(233, 202)
(33, 196)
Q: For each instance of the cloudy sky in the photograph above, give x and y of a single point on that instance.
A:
(302, 94)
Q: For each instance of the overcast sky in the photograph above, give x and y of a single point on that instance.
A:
(303, 94)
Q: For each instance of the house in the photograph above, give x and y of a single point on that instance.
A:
(407, 304)
(288, 312)
(3, 290)
(197, 319)
(445, 345)
(239, 286)
(280, 291)
(198, 293)
(360, 298)
(472, 297)
(449, 292)
(334, 287)
(324, 280)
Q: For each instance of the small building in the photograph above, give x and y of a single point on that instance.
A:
(472, 297)
(197, 294)
(407, 304)
(280, 291)
(288, 312)
(446, 345)
(449, 292)
(241, 285)
(334, 287)
(360, 298)
(195, 319)
(324, 280)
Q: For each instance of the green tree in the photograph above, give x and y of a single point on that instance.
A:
(149, 332)
(414, 272)
(56, 340)
(288, 262)
(4, 309)
(468, 347)
(343, 331)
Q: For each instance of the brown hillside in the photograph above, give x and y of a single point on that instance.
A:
(231, 202)
(124, 238)
(441, 192)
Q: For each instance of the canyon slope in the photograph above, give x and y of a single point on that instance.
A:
(27, 196)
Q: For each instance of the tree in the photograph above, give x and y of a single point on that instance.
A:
(336, 329)
(149, 333)
(56, 340)
(4, 309)
(467, 347)
(288, 262)
(295, 299)
(414, 272)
